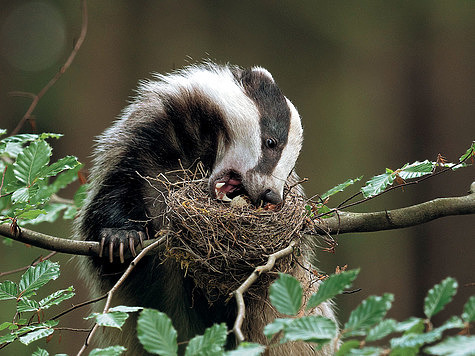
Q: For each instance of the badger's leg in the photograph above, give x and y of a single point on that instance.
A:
(115, 215)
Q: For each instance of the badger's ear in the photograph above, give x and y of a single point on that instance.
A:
(252, 79)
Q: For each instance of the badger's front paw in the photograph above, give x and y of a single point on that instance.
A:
(115, 240)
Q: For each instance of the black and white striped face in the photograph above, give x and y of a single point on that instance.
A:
(265, 138)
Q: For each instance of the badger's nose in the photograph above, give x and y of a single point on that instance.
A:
(270, 196)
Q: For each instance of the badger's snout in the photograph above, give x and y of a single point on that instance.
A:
(270, 196)
(230, 184)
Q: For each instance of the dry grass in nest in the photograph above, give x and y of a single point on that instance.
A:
(218, 245)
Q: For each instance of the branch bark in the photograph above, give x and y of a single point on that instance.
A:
(345, 222)
(58, 244)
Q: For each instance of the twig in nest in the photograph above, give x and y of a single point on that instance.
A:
(238, 293)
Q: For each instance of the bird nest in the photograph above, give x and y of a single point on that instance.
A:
(220, 244)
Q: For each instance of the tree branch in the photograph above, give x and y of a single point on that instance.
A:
(58, 244)
(342, 222)
(345, 222)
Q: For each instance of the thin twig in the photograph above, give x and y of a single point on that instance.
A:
(74, 307)
(341, 206)
(72, 329)
(117, 286)
(62, 70)
(35, 262)
(238, 293)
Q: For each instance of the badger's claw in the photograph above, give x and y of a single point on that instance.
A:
(117, 242)
(132, 246)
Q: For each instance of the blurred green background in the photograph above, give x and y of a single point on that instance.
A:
(377, 83)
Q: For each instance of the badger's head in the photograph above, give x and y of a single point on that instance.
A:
(263, 141)
(236, 121)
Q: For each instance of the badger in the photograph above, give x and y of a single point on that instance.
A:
(244, 131)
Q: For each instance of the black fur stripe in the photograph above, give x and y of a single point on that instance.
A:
(274, 116)
(186, 131)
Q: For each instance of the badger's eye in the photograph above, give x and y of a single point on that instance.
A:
(271, 142)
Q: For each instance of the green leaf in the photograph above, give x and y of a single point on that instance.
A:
(277, 325)
(247, 349)
(156, 333)
(340, 187)
(57, 297)
(108, 351)
(413, 324)
(311, 328)
(453, 323)
(26, 305)
(332, 286)
(209, 344)
(35, 335)
(21, 138)
(383, 329)
(323, 211)
(378, 183)
(31, 214)
(8, 290)
(21, 195)
(7, 338)
(405, 351)
(454, 346)
(68, 162)
(49, 213)
(439, 296)
(30, 161)
(66, 178)
(70, 212)
(469, 310)
(11, 149)
(365, 351)
(46, 135)
(370, 312)
(112, 319)
(40, 352)
(22, 321)
(6, 325)
(347, 346)
(45, 325)
(468, 153)
(3, 132)
(411, 340)
(416, 169)
(286, 294)
(36, 277)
